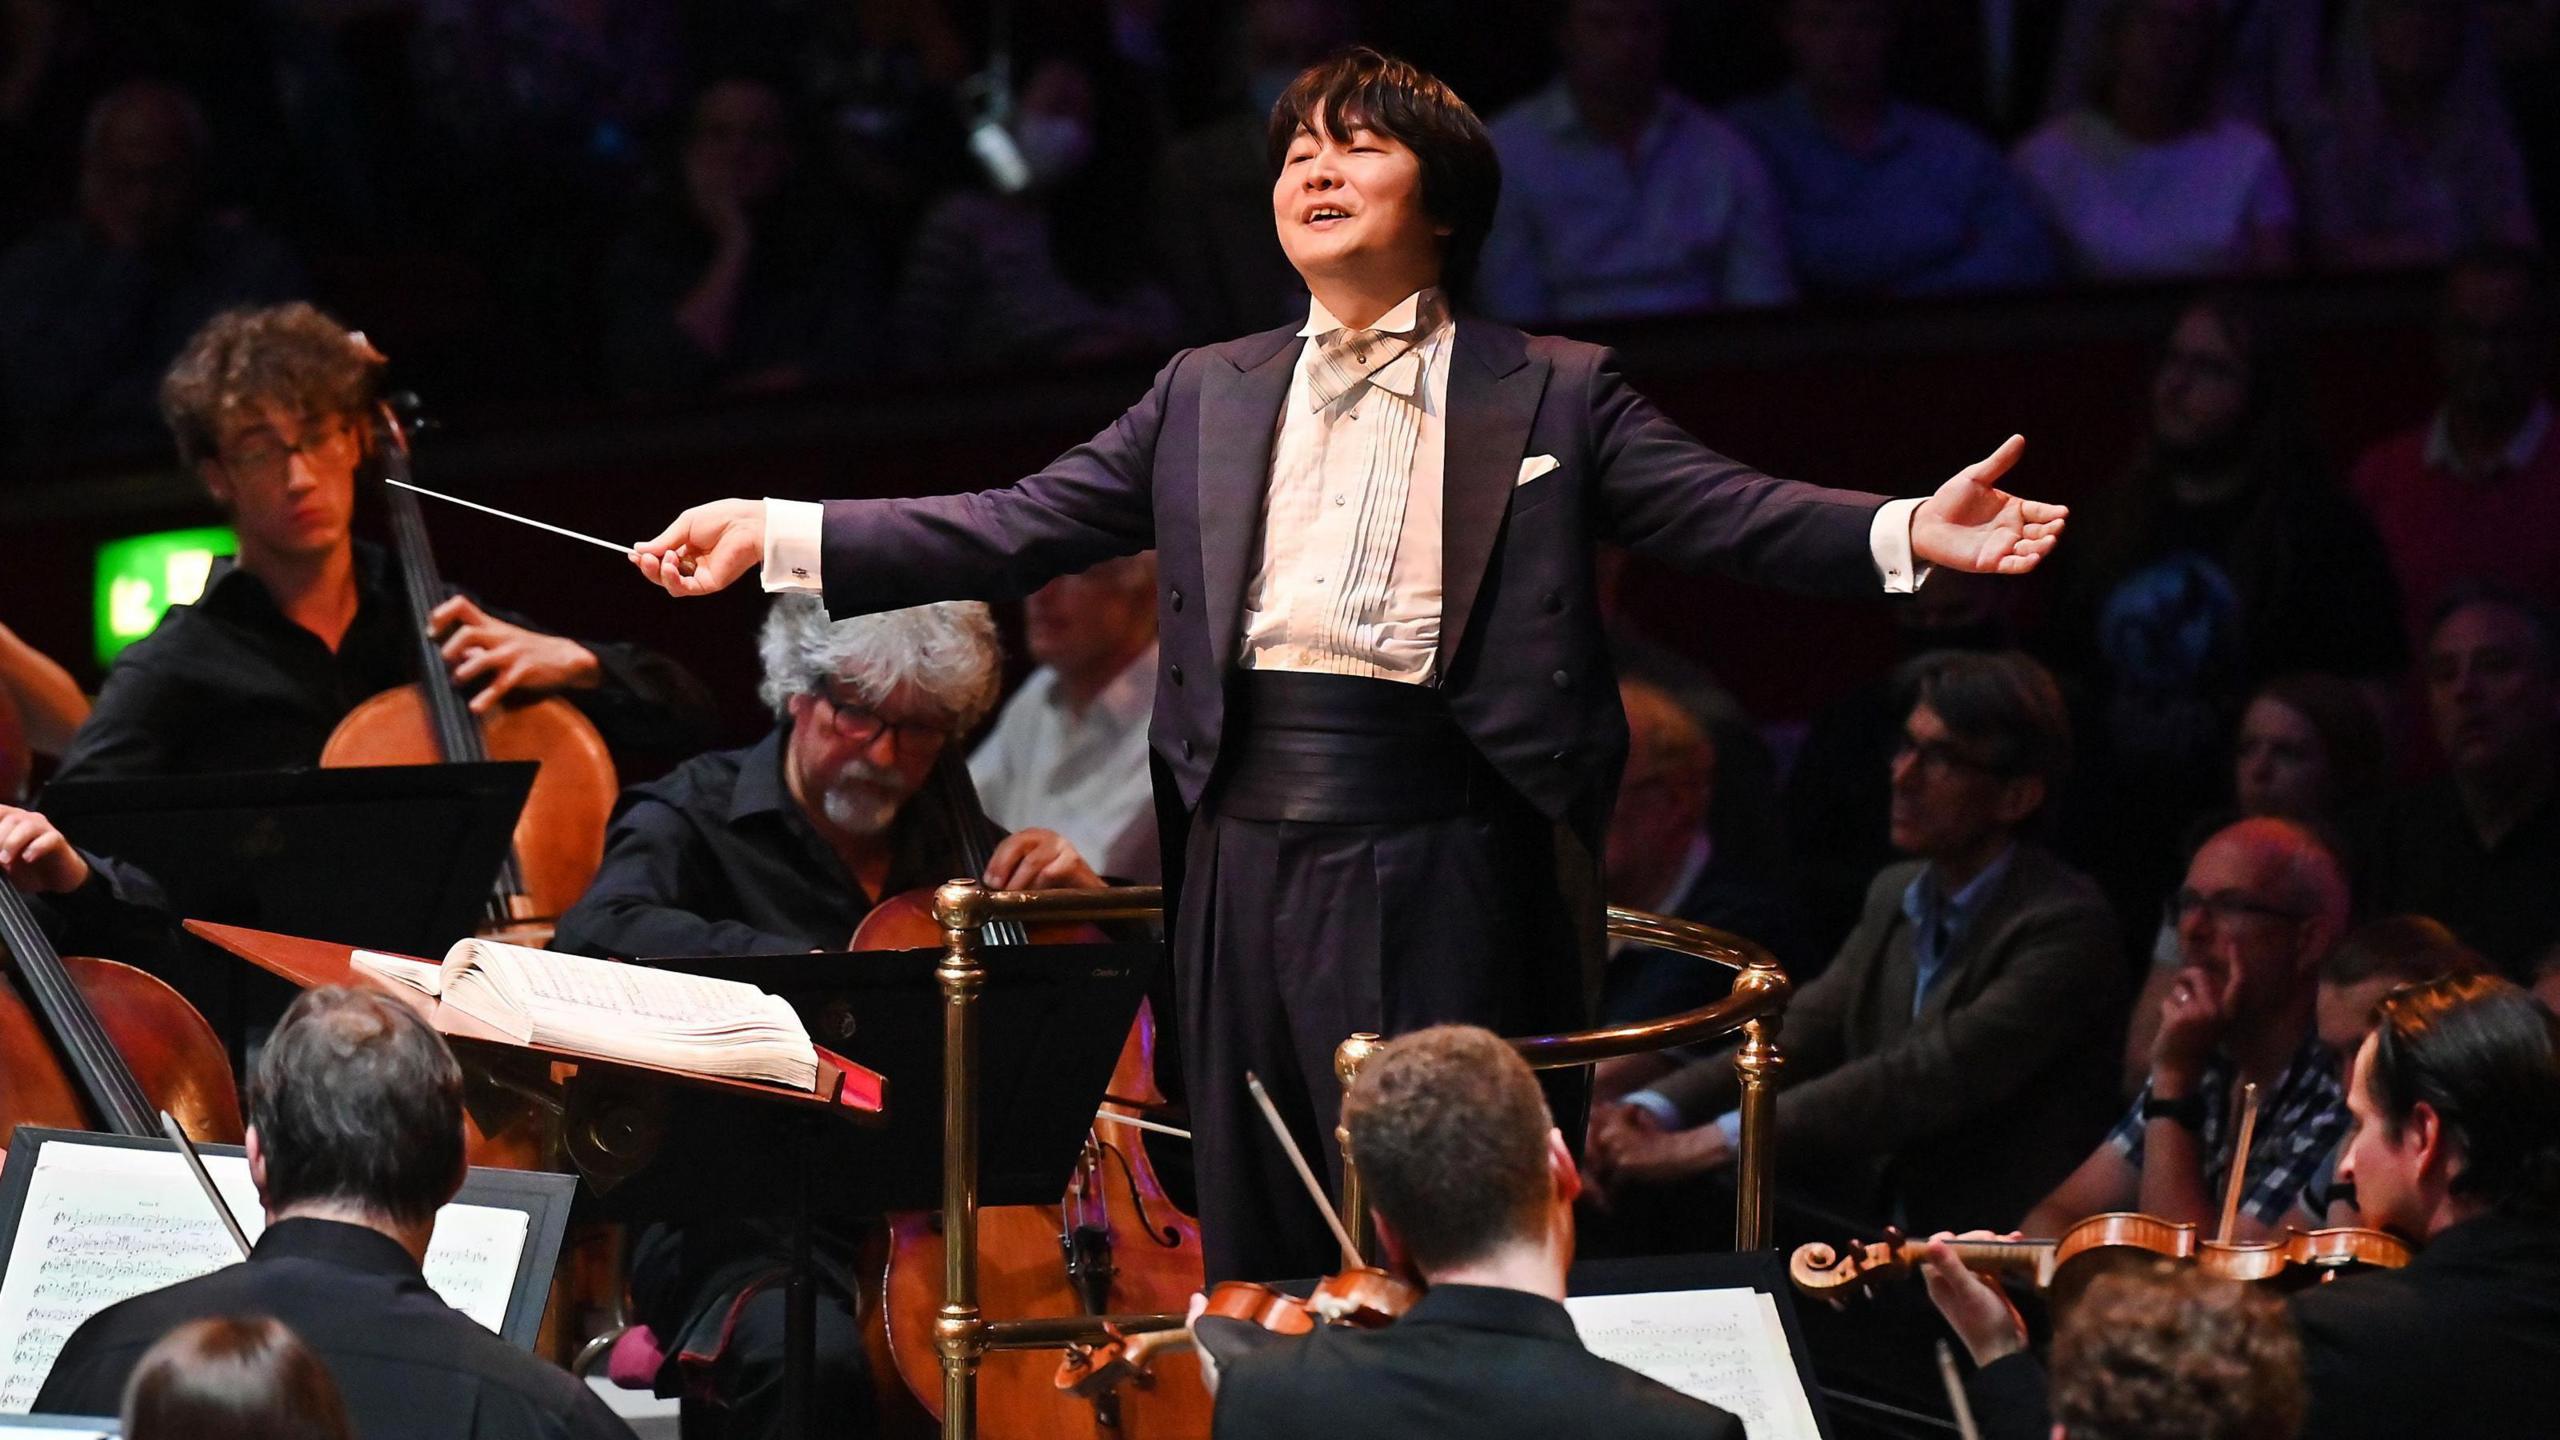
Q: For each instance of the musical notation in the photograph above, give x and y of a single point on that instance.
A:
(103, 1223)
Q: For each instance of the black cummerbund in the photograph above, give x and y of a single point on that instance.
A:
(1345, 749)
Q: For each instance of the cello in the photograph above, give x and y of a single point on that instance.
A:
(1114, 1244)
(559, 839)
(94, 1044)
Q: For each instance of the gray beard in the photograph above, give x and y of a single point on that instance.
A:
(859, 802)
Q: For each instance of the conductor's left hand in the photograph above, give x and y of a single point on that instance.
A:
(1972, 524)
(724, 540)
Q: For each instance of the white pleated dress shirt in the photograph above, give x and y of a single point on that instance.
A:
(1346, 580)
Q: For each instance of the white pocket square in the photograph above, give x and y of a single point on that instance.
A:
(1533, 467)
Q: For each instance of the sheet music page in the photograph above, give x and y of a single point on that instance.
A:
(105, 1223)
(683, 1002)
(424, 976)
(1716, 1345)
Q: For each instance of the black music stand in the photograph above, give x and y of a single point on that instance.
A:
(392, 857)
(1054, 1019)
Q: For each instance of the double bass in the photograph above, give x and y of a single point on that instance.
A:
(1114, 1244)
(559, 839)
(88, 1044)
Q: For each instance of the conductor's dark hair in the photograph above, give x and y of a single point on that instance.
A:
(1449, 1129)
(1362, 89)
(2485, 1056)
(233, 1377)
(357, 1102)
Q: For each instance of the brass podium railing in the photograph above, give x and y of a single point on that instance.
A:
(962, 1336)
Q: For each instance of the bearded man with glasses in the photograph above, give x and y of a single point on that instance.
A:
(2263, 904)
(859, 792)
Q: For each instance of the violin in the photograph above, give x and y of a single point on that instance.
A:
(1114, 1244)
(103, 1045)
(2064, 1266)
(1360, 1298)
(559, 839)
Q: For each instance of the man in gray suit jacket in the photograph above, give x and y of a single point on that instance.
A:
(1386, 735)
(1952, 1062)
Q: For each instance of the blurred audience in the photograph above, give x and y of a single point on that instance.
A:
(2375, 959)
(1662, 856)
(1839, 790)
(2479, 848)
(1951, 1062)
(233, 1377)
(1881, 197)
(2407, 157)
(1069, 750)
(2226, 556)
(93, 307)
(1621, 196)
(2475, 492)
(2263, 905)
(2310, 748)
(2269, 53)
(1059, 272)
(739, 275)
(2144, 178)
(1989, 63)
(1221, 253)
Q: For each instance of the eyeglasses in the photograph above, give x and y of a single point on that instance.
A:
(860, 726)
(336, 443)
(1941, 757)
(2224, 907)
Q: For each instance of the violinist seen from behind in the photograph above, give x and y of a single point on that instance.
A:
(1472, 1190)
(273, 410)
(2456, 1146)
(858, 793)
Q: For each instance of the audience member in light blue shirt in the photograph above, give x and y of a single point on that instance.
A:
(1621, 197)
(1883, 198)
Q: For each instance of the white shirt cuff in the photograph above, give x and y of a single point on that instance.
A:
(1657, 1105)
(793, 537)
(1889, 541)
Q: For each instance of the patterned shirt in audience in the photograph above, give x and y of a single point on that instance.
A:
(2298, 1126)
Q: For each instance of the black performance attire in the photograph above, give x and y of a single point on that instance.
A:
(228, 683)
(717, 859)
(409, 1366)
(2453, 1346)
(1350, 854)
(1468, 1362)
(119, 913)
(2423, 857)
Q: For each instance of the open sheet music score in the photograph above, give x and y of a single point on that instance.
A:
(623, 1012)
(105, 1223)
(1726, 1347)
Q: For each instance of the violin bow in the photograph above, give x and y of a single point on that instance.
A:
(2238, 1180)
(1306, 1174)
(195, 1164)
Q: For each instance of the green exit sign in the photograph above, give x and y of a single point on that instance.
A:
(140, 577)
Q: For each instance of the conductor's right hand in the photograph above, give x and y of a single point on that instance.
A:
(722, 541)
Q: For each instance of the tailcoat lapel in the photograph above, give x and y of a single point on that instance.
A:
(1493, 399)
(1239, 419)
